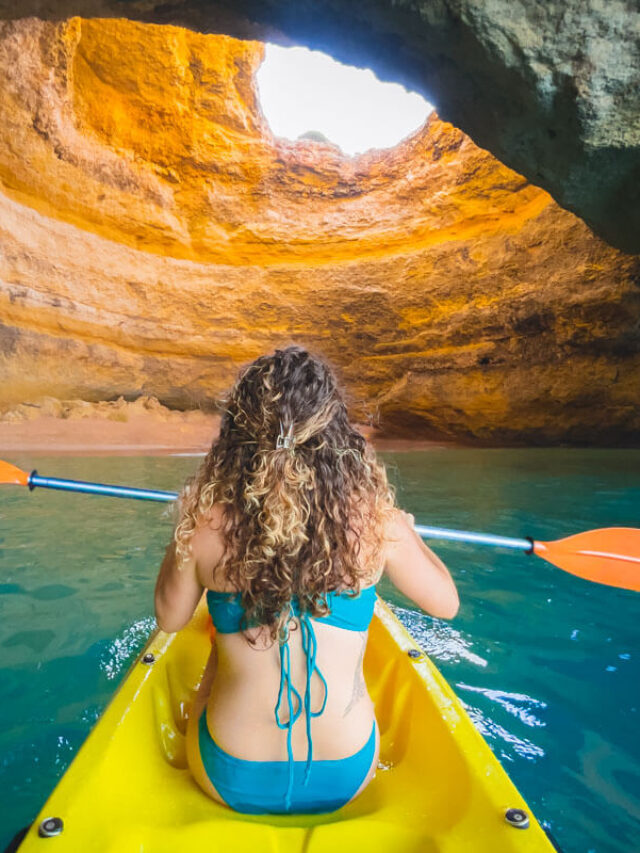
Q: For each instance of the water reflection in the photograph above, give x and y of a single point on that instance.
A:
(503, 742)
(121, 650)
(438, 639)
(517, 704)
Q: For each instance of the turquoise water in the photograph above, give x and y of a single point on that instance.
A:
(548, 665)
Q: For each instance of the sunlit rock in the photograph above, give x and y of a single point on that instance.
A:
(552, 89)
(154, 236)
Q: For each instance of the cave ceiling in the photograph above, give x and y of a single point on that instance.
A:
(551, 89)
(154, 235)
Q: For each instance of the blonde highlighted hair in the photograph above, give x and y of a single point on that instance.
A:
(300, 488)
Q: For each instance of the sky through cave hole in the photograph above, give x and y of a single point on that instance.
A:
(303, 90)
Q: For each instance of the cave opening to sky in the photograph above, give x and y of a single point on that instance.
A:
(308, 92)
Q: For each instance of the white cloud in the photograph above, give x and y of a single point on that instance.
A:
(302, 90)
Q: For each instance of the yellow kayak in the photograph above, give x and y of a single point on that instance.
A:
(438, 786)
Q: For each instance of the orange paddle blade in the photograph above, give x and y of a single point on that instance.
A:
(10, 474)
(610, 555)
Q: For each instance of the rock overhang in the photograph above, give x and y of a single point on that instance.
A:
(158, 235)
(552, 90)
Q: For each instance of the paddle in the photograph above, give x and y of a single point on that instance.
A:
(610, 555)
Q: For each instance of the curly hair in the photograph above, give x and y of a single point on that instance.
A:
(300, 488)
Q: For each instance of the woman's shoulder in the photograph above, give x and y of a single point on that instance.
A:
(208, 544)
(373, 551)
(395, 525)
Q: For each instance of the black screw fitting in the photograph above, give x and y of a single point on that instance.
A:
(50, 827)
(517, 818)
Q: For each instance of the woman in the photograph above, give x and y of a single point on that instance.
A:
(288, 525)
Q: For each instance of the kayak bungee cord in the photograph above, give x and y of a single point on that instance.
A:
(610, 555)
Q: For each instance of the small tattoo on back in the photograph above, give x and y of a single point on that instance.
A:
(359, 687)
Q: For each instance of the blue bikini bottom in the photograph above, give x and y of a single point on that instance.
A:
(259, 787)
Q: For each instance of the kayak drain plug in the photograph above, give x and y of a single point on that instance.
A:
(416, 654)
(50, 827)
(518, 818)
(149, 658)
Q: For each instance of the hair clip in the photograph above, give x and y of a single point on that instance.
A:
(287, 441)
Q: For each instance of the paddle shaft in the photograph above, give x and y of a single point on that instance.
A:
(475, 538)
(35, 480)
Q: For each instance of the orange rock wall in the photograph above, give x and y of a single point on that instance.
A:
(154, 236)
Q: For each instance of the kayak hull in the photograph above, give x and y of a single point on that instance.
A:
(438, 787)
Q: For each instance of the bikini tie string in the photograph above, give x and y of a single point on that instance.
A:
(309, 647)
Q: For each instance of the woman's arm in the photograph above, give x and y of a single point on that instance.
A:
(178, 592)
(416, 571)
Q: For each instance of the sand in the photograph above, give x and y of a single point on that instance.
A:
(143, 427)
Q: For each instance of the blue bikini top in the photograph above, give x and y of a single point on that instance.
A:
(352, 613)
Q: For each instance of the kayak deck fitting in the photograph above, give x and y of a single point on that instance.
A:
(438, 787)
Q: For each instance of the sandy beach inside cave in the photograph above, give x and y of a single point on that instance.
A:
(145, 427)
(94, 436)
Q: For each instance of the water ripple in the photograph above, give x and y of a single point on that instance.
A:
(517, 704)
(499, 737)
(63, 753)
(124, 647)
(438, 639)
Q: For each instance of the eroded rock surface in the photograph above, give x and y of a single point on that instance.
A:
(552, 89)
(154, 236)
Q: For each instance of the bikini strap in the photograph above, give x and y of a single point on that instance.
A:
(309, 647)
(286, 684)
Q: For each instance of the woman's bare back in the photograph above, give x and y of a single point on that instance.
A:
(244, 692)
